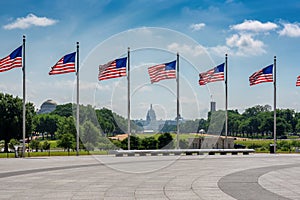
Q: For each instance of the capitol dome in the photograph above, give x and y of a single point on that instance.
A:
(47, 107)
(151, 116)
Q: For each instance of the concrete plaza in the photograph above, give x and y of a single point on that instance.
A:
(222, 177)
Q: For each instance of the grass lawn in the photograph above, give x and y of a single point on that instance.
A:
(54, 153)
(263, 145)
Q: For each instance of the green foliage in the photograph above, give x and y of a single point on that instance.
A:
(264, 145)
(134, 143)
(165, 141)
(11, 118)
(46, 123)
(35, 144)
(168, 128)
(66, 141)
(255, 144)
(89, 146)
(149, 143)
(190, 126)
(46, 145)
(66, 126)
(65, 110)
(105, 144)
(14, 141)
(89, 133)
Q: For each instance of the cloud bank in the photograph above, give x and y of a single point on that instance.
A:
(29, 21)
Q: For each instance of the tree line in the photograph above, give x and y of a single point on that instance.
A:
(96, 125)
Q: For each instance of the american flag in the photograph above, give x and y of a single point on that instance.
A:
(113, 69)
(65, 65)
(162, 71)
(11, 61)
(212, 75)
(262, 76)
(298, 81)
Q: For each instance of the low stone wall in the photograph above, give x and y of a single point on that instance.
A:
(176, 152)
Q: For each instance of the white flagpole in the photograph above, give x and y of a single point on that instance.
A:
(128, 97)
(274, 82)
(177, 80)
(226, 104)
(24, 97)
(77, 101)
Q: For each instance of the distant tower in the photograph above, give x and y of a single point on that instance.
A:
(151, 117)
(212, 106)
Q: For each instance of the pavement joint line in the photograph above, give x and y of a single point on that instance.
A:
(231, 184)
(30, 171)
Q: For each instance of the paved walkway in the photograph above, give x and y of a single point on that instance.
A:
(258, 176)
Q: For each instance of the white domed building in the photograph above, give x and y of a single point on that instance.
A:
(47, 107)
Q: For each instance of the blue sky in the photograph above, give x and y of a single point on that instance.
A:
(251, 32)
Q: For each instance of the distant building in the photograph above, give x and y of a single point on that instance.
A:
(47, 107)
(212, 106)
(152, 125)
(151, 116)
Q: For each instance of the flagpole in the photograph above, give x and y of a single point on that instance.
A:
(128, 97)
(177, 80)
(24, 97)
(77, 101)
(226, 104)
(274, 82)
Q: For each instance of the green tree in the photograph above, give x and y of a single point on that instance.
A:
(134, 143)
(12, 143)
(66, 125)
(65, 110)
(35, 144)
(282, 126)
(149, 143)
(66, 141)
(46, 145)
(289, 116)
(189, 126)
(11, 118)
(202, 125)
(46, 123)
(90, 133)
(234, 120)
(298, 126)
(165, 141)
(267, 123)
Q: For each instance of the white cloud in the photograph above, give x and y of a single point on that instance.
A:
(220, 50)
(245, 45)
(197, 27)
(290, 30)
(187, 49)
(29, 21)
(254, 26)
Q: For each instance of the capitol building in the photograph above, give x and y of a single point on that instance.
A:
(151, 124)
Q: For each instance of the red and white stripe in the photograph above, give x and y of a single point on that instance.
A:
(7, 63)
(298, 81)
(61, 68)
(110, 70)
(260, 77)
(159, 72)
(210, 76)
